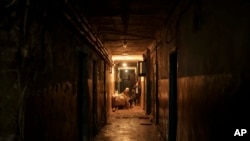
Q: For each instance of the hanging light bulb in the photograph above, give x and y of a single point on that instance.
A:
(125, 44)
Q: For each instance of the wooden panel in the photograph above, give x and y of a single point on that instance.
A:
(212, 107)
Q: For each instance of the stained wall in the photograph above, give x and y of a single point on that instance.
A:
(211, 39)
(46, 77)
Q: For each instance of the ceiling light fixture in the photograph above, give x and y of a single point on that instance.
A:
(125, 44)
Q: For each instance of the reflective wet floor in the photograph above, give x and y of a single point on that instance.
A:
(129, 125)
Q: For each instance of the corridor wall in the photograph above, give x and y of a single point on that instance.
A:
(46, 89)
(211, 39)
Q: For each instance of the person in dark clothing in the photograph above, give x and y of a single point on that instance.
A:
(132, 98)
(137, 93)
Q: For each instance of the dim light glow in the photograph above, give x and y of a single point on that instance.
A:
(127, 57)
(124, 64)
(125, 45)
(126, 70)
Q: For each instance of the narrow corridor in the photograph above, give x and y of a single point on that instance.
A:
(129, 125)
(63, 64)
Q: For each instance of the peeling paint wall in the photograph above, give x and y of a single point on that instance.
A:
(40, 94)
(11, 90)
(51, 108)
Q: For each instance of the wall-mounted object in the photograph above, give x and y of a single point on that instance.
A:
(141, 68)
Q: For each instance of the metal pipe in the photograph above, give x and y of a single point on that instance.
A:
(94, 39)
(83, 33)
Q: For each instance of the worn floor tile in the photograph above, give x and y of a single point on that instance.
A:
(128, 125)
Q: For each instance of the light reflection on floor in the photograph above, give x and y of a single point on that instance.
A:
(129, 125)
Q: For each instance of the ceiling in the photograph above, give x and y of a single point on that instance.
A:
(128, 64)
(130, 22)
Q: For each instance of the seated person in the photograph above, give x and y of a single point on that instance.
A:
(125, 93)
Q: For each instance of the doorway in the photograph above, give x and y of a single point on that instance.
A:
(156, 107)
(172, 96)
(128, 79)
(83, 98)
(94, 102)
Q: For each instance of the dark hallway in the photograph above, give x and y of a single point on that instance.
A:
(65, 66)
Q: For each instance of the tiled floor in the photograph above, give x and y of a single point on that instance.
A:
(128, 125)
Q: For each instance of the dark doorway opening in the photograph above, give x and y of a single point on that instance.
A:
(94, 102)
(128, 79)
(83, 98)
(172, 96)
(156, 90)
